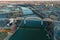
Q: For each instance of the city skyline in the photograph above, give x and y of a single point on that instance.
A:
(29, 0)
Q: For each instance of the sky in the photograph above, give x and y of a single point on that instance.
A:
(29, 0)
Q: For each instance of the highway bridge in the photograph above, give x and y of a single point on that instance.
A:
(32, 26)
(40, 24)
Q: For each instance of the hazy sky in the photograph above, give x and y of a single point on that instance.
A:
(29, 0)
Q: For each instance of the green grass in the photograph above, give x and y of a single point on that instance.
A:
(2, 35)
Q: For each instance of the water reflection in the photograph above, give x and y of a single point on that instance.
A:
(56, 30)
